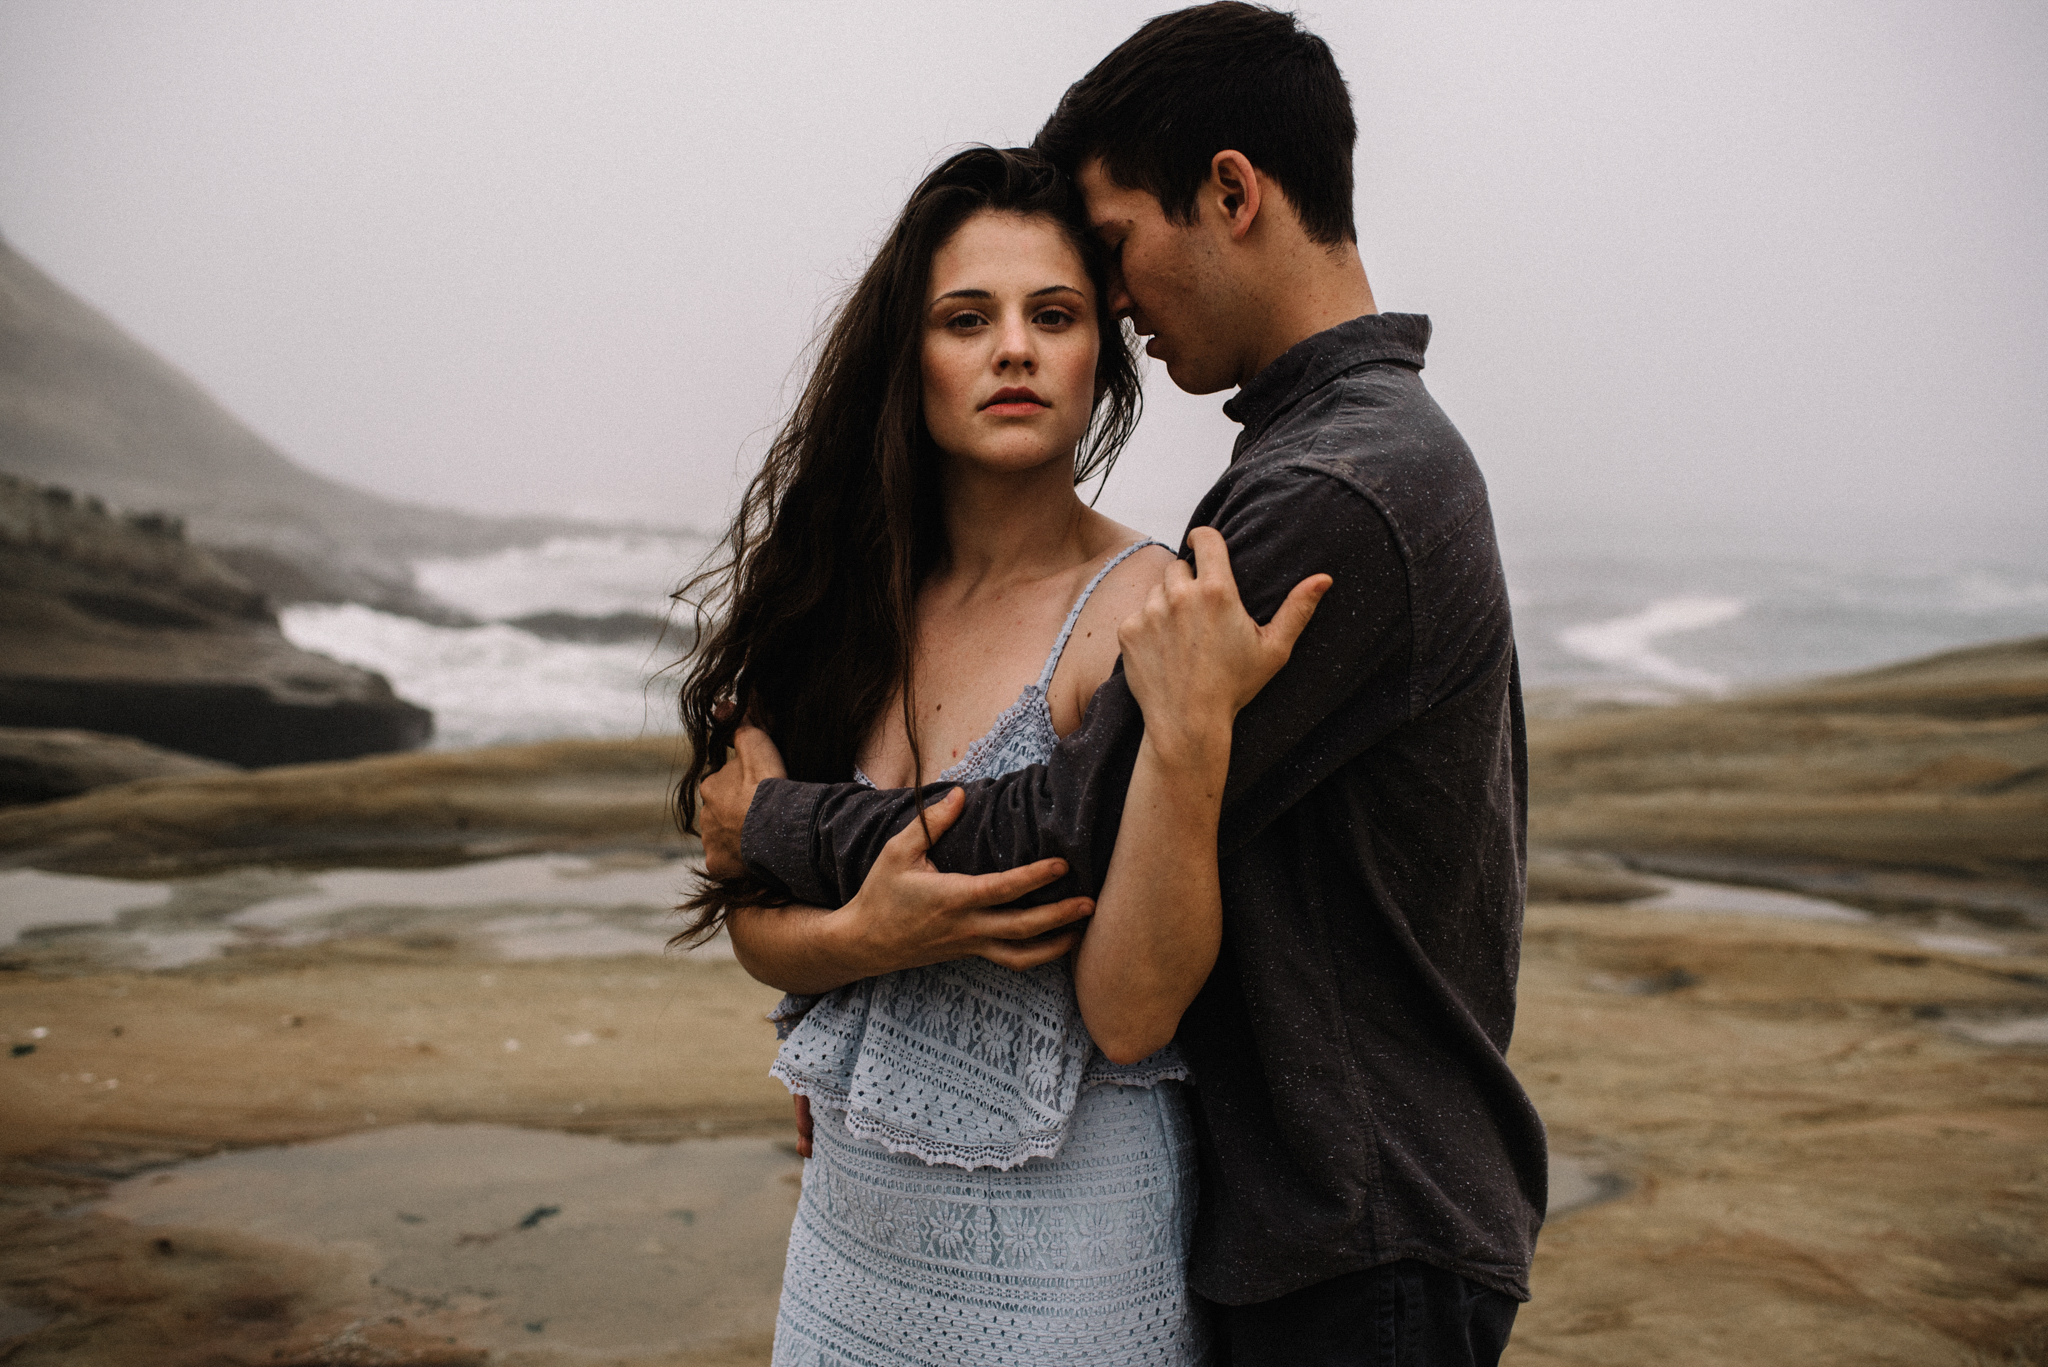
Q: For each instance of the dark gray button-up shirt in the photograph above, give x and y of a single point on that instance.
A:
(1353, 1104)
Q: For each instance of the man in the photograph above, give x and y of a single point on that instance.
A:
(1372, 1175)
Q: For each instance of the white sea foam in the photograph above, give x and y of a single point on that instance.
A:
(590, 575)
(1627, 643)
(1800, 618)
(496, 684)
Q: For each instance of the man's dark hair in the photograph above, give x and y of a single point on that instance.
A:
(1199, 81)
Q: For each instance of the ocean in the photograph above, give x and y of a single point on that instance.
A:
(1664, 628)
(498, 684)
(1628, 626)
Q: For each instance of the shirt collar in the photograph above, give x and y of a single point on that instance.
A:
(1311, 364)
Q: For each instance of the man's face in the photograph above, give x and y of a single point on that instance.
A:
(1168, 279)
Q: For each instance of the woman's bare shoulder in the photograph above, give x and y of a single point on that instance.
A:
(1134, 578)
(1122, 591)
(1092, 649)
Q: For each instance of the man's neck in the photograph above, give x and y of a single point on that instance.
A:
(1312, 290)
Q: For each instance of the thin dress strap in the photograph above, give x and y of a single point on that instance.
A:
(1052, 661)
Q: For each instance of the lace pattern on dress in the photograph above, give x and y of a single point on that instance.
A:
(963, 1063)
(1074, 1261)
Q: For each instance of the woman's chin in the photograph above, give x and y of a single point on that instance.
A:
(1012, 459)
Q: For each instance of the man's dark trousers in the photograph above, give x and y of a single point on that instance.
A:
(1404, 1314)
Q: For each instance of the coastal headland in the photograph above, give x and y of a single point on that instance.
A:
(1784, 1008)
(119, 626)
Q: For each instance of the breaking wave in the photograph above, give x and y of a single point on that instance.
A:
(496, 684)
(1629, 643)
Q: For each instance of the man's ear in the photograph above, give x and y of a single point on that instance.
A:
(1235, 190)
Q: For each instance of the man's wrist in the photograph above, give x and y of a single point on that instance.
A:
(777, 838)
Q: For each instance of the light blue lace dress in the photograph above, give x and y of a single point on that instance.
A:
(985, 1187)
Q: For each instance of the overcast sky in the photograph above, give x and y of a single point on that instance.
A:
(1756, 274)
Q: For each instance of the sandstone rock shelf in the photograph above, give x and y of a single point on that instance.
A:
(41, 765)
(1923, 784)
(392, 809)
(117, 624)
(1823, 1137)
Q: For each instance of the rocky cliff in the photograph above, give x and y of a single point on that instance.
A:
(85, 406)
(118, 624)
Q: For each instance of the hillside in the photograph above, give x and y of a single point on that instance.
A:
(85, 406)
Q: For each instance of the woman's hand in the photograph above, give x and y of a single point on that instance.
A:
(1194, 657)
(908, 914)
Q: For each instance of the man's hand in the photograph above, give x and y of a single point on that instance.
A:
(1194, 657)
(725, 795)
(803, 1127)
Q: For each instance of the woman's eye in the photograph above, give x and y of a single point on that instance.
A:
(962, 322)
(1053, 318)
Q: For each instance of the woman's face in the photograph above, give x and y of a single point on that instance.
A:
(1010, 344)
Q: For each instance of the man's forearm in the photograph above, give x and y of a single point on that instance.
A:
(819, 841)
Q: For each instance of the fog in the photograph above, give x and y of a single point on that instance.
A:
(1745, 275)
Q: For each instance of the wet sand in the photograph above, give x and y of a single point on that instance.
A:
(1826, 1161)
(134, 1071)
(1787, 1140)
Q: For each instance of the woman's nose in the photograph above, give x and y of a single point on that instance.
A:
(1014, 347)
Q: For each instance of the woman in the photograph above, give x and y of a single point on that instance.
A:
(1002, 1170)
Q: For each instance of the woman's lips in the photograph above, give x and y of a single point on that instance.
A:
(1014, 402)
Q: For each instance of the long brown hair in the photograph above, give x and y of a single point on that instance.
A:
(807, 617)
